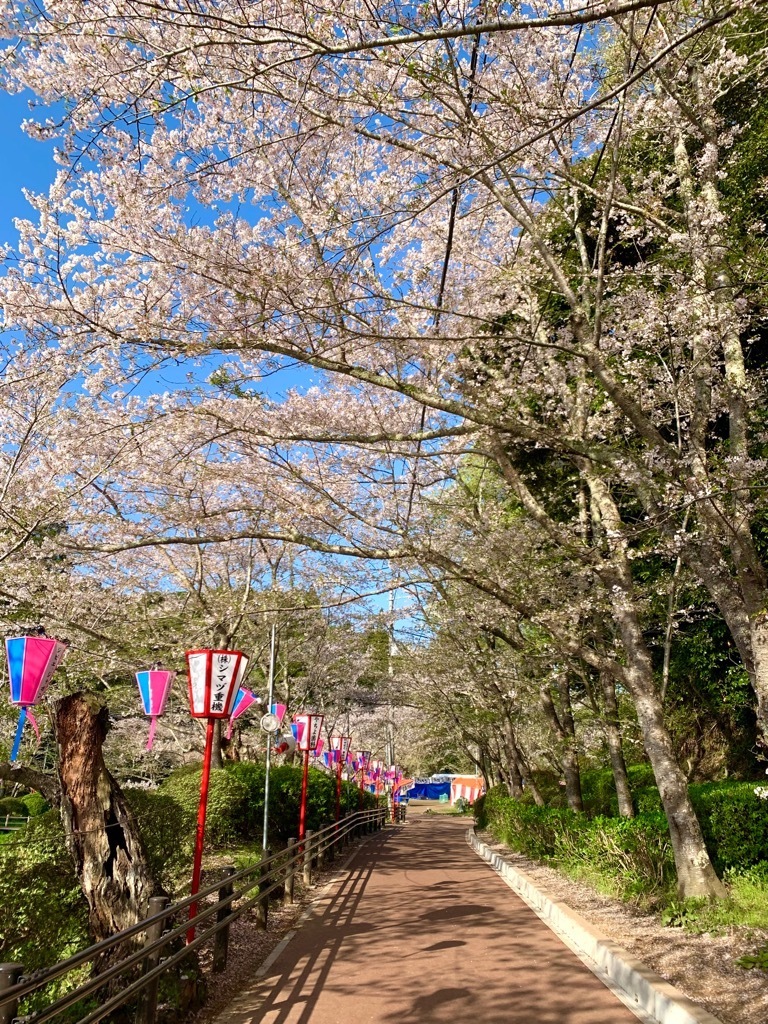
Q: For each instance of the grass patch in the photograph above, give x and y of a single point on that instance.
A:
(746, 905)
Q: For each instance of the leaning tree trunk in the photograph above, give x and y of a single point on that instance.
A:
(695, 874)
(102, 838)
(563, 727)
(612, 729)
(512, 758)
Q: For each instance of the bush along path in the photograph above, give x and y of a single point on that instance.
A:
(38, 877)
(618, 872)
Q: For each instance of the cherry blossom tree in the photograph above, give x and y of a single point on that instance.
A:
(455, 213)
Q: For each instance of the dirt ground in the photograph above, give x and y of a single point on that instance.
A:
(702, 966)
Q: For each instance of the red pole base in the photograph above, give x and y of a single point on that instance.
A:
(303, 805)
(197, 864)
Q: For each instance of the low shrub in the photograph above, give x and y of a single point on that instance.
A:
(635, 852)
(14, 806)
(236, 801)
(227, 802)
(630, 856)
(36, 804)
(734, 821)
(168, 832)
(45, 916)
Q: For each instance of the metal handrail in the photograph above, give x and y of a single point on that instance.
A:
(278, 864)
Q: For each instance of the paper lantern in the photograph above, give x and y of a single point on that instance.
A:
(214, 680)
(309, 726)
(32, 660)
(154, 687)
(243, 701)
(340, 747)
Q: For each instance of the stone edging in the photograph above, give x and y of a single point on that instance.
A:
(639, 986)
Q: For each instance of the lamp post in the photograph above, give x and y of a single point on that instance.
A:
(32, 660)
(154, 686)
(308, 734)
(214, 681)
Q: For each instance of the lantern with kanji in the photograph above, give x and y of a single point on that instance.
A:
(360, 763)
(154, 686)
(32, 660)
(214, 682)
(215, 678)
(308, 726)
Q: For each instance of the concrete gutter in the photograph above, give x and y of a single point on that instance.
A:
(641, 989)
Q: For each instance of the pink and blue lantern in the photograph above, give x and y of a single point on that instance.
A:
(154, 686)
(243, 701)
(32, 660)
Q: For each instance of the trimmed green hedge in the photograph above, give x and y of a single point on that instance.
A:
(14, 806)
(634, 854)
(36, 804)
(167, 816)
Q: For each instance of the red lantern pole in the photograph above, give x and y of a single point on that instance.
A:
(200, 834)
(338, 790)
(360, 793)
(303, 805)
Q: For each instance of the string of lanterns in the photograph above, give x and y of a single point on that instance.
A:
(216, 693)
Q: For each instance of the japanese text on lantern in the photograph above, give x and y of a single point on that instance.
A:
(222, 672)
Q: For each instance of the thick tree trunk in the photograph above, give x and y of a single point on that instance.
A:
(695, 874)
(758, 630)
(104, 842)
(613, 738)
(563, 727)
(514, 776)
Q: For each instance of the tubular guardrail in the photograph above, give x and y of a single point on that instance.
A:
(13, 822)
(161, 931)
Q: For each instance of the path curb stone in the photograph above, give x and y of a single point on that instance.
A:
(640, 986)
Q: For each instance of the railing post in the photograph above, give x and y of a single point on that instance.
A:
(322, 842)
(308, 858)
(146, 1012)
(290, 871)
(262, 907)
(221, 940)
(9, 975)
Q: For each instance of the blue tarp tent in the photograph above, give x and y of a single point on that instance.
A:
(429, 790)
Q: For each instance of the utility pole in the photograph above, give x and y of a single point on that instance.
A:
(270, 700)
(389, 744)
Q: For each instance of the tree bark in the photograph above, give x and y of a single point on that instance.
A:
(695, 874)
(563, 727)
(46, 784)
(513, 774)
(217, 760)
(613, 738)
(103, 840)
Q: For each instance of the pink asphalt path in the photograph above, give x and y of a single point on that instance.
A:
(420, 931)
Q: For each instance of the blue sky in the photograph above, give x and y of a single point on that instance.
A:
(25, 164)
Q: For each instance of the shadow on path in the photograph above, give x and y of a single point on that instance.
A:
(420, 931)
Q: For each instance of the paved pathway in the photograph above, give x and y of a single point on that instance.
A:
(421, 931)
